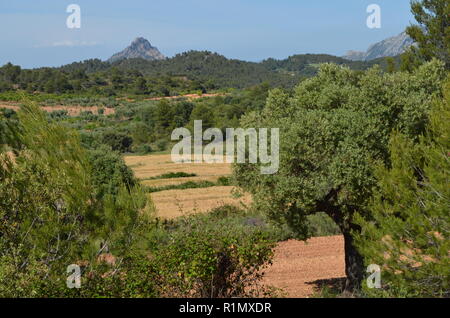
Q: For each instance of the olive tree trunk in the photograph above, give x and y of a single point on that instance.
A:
(354, 264)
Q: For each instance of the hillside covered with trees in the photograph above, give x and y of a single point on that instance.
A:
(189, 72)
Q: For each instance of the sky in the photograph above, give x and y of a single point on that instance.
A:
(34, 33)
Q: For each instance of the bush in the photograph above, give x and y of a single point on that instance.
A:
(117, 141)
(162, 144)
(224, 181)
(206, 257)
(109, 171)
(173, 175)
(143, 149)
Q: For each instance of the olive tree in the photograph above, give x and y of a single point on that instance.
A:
(334, 128)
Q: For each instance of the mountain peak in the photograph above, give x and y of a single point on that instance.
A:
(139, 48)
(139, 40)
(390, 47)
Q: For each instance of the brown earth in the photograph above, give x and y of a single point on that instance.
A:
(302, 269)
(71, 110)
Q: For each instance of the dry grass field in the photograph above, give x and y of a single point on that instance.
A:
(174, 203)
(156, 165)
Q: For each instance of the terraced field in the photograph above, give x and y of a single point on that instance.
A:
(174, 203)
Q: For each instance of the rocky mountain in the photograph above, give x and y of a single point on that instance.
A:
(139, 48)
(390, 47)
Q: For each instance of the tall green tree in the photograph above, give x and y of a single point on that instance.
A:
(333, 129)
(408, 234)
(51, 213)
(433, 32)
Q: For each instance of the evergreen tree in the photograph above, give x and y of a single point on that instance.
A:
(433, 32)
(408, 232)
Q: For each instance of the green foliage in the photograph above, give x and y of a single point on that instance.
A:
(222, 181)
(390, 64)
(186, 73)
(117, 141)
(307, 65)
(214, 256)
(333, 129)
(173, 175)
(109, 171)
(408, 232)
(182, 186)
(50, 215)
(320, 224)
(143, 149)
(433, 32)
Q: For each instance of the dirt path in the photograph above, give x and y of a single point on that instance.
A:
(301, 269)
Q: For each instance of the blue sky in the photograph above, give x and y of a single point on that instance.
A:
(34, 32)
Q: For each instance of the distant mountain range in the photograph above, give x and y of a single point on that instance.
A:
(139, 48)
(206, 66)
(392, 46)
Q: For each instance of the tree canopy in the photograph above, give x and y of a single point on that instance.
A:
(334, 128)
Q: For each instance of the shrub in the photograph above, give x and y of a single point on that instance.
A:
(143, 149)
(117, 141)
(173, 175)
(206, 257)
(162, 144)
(109, 171)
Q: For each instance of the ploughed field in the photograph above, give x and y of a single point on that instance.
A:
(303, 269)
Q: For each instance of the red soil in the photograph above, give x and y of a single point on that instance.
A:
(301, 269)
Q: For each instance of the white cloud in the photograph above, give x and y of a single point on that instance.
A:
(69, 43)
